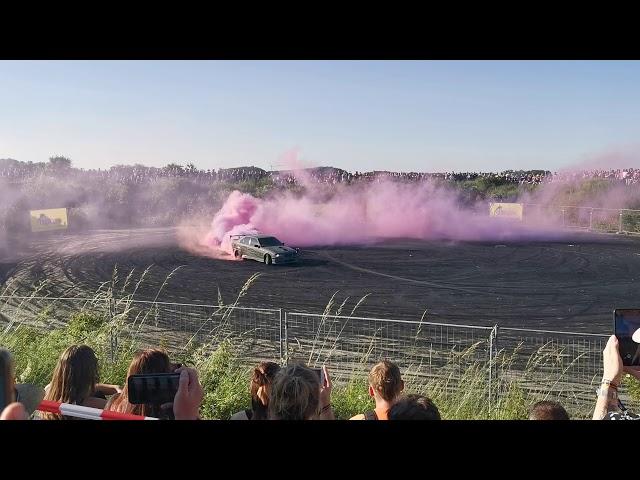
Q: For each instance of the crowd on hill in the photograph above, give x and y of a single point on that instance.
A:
(293, 392)
(16, 171)
(627, 176)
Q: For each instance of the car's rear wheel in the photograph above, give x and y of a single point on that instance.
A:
(267, 259)
(237, 254)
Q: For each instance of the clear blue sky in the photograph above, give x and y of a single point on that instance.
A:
(357, 115)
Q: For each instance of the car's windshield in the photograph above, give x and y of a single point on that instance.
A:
(270, 242)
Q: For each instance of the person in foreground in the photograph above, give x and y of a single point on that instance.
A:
(608, 405)
(186, 403)
(548, 410)
(147, 361)
(414, 407)
(297, 394)
(260, 389)
(385, 387)
(75, 380)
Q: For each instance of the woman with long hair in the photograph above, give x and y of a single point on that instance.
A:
(150, 360)
(260, 389)
(298, 394)
(75, 380)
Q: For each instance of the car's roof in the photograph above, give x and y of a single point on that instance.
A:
(256, 235)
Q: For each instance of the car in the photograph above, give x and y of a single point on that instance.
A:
(263, 248)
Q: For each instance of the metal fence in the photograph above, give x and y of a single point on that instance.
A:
(607, 220)
(542, 363)
(351, 344)
(180, 326)
(563, 365)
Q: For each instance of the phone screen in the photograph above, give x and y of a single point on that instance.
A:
(627, 329)
(156, 388)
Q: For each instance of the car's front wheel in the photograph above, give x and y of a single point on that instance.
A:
(267, 259)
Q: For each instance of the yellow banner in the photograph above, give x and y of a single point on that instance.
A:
(506, 210)
(50, 219)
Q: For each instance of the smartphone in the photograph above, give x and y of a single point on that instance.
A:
(627, 329)
(153, 388)
(320, 373)
(7, 372)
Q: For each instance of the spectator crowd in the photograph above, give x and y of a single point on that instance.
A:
(293, 392)
(16, 171)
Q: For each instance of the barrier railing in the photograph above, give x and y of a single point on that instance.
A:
(87, 413)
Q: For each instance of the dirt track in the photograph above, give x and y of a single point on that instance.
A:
(570, 284)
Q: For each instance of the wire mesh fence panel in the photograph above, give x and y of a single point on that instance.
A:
(576, 217)
(48, 312)
(630, 221)
(255, 333)
(538, 214)
(547, 365)
(605, 220)
(349, 346)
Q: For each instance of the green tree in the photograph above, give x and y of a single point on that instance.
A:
(59, 163)
(174, 168)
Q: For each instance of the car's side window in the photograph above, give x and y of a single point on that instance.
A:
(253, 241)
(245, 241)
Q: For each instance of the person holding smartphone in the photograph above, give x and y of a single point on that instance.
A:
(608, 405)
(298, 394)
(145, 362)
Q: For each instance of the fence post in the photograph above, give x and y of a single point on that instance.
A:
(563, 219)
(620, 223)
(493, 349)
(112, 335)
(591, 219)
(286, 338)
(281, 338)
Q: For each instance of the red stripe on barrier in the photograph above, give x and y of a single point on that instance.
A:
(108, 415)
(49, 406)
(54, 407)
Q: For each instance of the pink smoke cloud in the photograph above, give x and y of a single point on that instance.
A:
(366, 213)
(361, 215)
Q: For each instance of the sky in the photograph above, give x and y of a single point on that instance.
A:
(357, 115)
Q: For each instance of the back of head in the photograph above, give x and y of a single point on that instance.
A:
(260, 388)
(414, 407)
(74, 377)
(548, 410)
(295, 394)
(386, 380)
(150, 360)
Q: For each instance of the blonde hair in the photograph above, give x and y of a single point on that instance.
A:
(385, 379)
(295, 394)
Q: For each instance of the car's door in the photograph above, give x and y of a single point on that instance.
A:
(253, 251)
(247, 249)
(242, 246)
